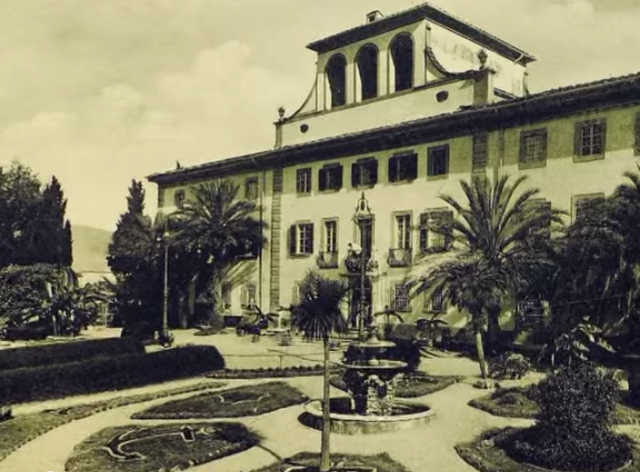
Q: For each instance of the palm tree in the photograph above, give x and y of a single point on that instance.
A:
(318, 315)
(501, 233)
(388, 313)
(220, 228)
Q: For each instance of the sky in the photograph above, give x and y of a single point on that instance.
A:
(98, 93)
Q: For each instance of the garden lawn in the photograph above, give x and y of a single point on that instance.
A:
(175, 446)
(486, 455)
(24, 428)
(379, 463)
(516, 402)
(411, 385)
(249, 400)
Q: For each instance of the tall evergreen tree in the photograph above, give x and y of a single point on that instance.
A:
(51, 239)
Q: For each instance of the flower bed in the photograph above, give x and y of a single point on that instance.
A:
(248, 400)
(489, 453)
(21, 429)
(410, 385)
(270, 372)
(379, 463)
(175, 446)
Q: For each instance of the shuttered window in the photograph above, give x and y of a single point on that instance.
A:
(438, 160)
(480, 151)
(590, 138)
(330, 177)
(435, 230)
(301, 239)
(533, 148)
(403, 167)
(364, 172)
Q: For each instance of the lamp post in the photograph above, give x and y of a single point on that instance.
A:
(163, 238)
(362, 214)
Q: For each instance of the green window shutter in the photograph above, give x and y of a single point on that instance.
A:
(292, 240)
(412, 166)
(310, 240)
(322, 179)
(373, 171)
(577, 139)
(393, 169)
(355, 174)
(338, 172)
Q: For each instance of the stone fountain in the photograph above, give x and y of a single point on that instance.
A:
(371, 406)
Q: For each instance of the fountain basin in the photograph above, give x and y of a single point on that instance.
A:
(405, 415)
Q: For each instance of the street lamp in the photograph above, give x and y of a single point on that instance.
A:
(163, 238)
(361, 216)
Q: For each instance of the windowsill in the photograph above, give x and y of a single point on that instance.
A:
(303, 194)
(300, 255)
(432, 251)
(401, 182)
(438, 177)
(327, 266)
(589, 158)
(364, 186)
(330, 190)
(532, 165)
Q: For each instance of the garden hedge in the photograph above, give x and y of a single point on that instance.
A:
(100, 374)
(59, 353)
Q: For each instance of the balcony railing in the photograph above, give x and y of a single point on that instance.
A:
(327, 260)
(399, 257)
(353, 264)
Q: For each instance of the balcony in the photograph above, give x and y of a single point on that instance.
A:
(327, 260)
(353, 265)
(399, 257)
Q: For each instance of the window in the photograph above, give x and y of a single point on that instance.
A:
(330, 177)
(303, 180)
(178, 198)
(435, 231)
(538, 205)
(403, 167)
(226, 294)
(533, 148)
(590, 137)
(301, 239)
(251, 189)
(331, 236)
(438, 160)
(435, 303)
(364, 172)
(336, 75)
(367, 60)
(403, 231)
(637, 135)
(480, 154)
(402, 61)
(401, 298)
(585, 204)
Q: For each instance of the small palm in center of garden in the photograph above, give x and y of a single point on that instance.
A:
(317, 316)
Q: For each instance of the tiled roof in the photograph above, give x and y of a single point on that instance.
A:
(550, 103)
(412, 15)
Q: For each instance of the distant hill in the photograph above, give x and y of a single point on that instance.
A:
(90, 247)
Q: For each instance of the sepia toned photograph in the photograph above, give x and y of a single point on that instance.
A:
(320, 236)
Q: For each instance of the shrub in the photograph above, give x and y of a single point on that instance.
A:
(100, 374)
(509, 365)
(67, 352)
(573, 429)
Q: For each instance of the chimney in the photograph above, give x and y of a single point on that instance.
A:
(375, 15)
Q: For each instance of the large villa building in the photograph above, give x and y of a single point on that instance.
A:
(402, 108)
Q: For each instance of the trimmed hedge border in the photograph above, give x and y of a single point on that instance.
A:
(62, 352)
(100, 374)
(22, 429)
(270, 372)
(381, 462)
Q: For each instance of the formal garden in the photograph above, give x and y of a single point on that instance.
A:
(560, 393)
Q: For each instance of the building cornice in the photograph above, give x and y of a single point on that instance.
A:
(546, 105)
(412, 15)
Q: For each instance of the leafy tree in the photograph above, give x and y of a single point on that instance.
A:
(317, 316)
(218, 230)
